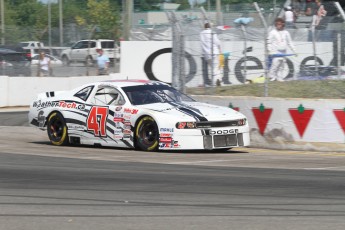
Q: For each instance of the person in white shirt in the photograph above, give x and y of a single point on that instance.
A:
(44, 68)
(289, 17)
(278, 41)
(211, 50)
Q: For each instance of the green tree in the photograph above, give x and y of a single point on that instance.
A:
(104, 17)
(26, 19)
(73, 9)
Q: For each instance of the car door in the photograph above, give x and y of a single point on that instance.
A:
(105, 122)
(88, 50)
(75, 50)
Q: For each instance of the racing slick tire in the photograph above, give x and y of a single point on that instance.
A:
(147, 134)
(65, 60)
(57, 129)
(89, 61)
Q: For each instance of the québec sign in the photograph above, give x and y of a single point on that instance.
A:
(153, 61)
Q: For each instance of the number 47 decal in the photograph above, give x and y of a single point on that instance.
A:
(96, 121)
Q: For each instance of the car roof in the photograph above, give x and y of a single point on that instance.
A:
(106, 40)
(123, 83)
(28, 41)
(133, 82)
(119, 83)
(6, 51)
(34, 55)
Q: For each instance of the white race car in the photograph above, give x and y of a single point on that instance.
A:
(146, 115)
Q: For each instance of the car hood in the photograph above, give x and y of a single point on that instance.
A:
(197, 110)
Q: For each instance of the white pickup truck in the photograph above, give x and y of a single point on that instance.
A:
(85, 51)
(31, 44)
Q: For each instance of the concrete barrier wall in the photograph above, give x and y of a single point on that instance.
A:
(300, 124)
(310, 124)
(20, 91)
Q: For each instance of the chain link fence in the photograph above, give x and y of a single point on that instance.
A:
(319, 47)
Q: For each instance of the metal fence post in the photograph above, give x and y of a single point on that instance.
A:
(244, 32)
(174, 54)
(182, 74)
(266, 47)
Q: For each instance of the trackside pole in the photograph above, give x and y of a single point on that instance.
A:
(179, 54)
(266, 47)
(244, 32)
(314, 46)
(342, 14)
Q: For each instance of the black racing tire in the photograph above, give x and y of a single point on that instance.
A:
(57, 129)
(65, 60)
(147, 134)
(89, 61)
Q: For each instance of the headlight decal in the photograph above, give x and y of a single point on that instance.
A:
(186, 125)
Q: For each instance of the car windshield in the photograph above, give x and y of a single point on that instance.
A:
(149, 94)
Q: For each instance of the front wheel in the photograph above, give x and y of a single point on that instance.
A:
(57, 129)
(146, 134)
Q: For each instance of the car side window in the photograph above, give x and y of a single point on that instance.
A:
(86, 44)
(107, 45)
(108, 96)
(77, 45)
(84, 93)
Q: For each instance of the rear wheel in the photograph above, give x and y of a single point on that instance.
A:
(65, 61)
(89, 61)
(146, 134)
(57, 129)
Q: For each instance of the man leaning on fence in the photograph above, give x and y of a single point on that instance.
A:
(278, 41)
(211, 50)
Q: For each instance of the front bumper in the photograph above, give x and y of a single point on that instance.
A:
(207, 140)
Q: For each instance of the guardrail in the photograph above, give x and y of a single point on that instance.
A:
(20, 91)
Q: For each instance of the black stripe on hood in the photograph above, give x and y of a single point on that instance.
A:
(189, 111)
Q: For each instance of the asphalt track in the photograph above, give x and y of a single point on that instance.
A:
(48, 187)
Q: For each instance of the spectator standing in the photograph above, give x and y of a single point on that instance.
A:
(320, 12)
(44, 68)
(310, 5)
(289, 18)
(278, 41)
(211, 50)
(102, 62)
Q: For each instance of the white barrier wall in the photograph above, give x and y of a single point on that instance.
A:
(21, 91)
(317, 124)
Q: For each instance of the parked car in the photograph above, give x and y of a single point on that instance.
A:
(13, 63)
(141, 114)
(86, 51)
(18, 48)
(31, 44)
(54, 61)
